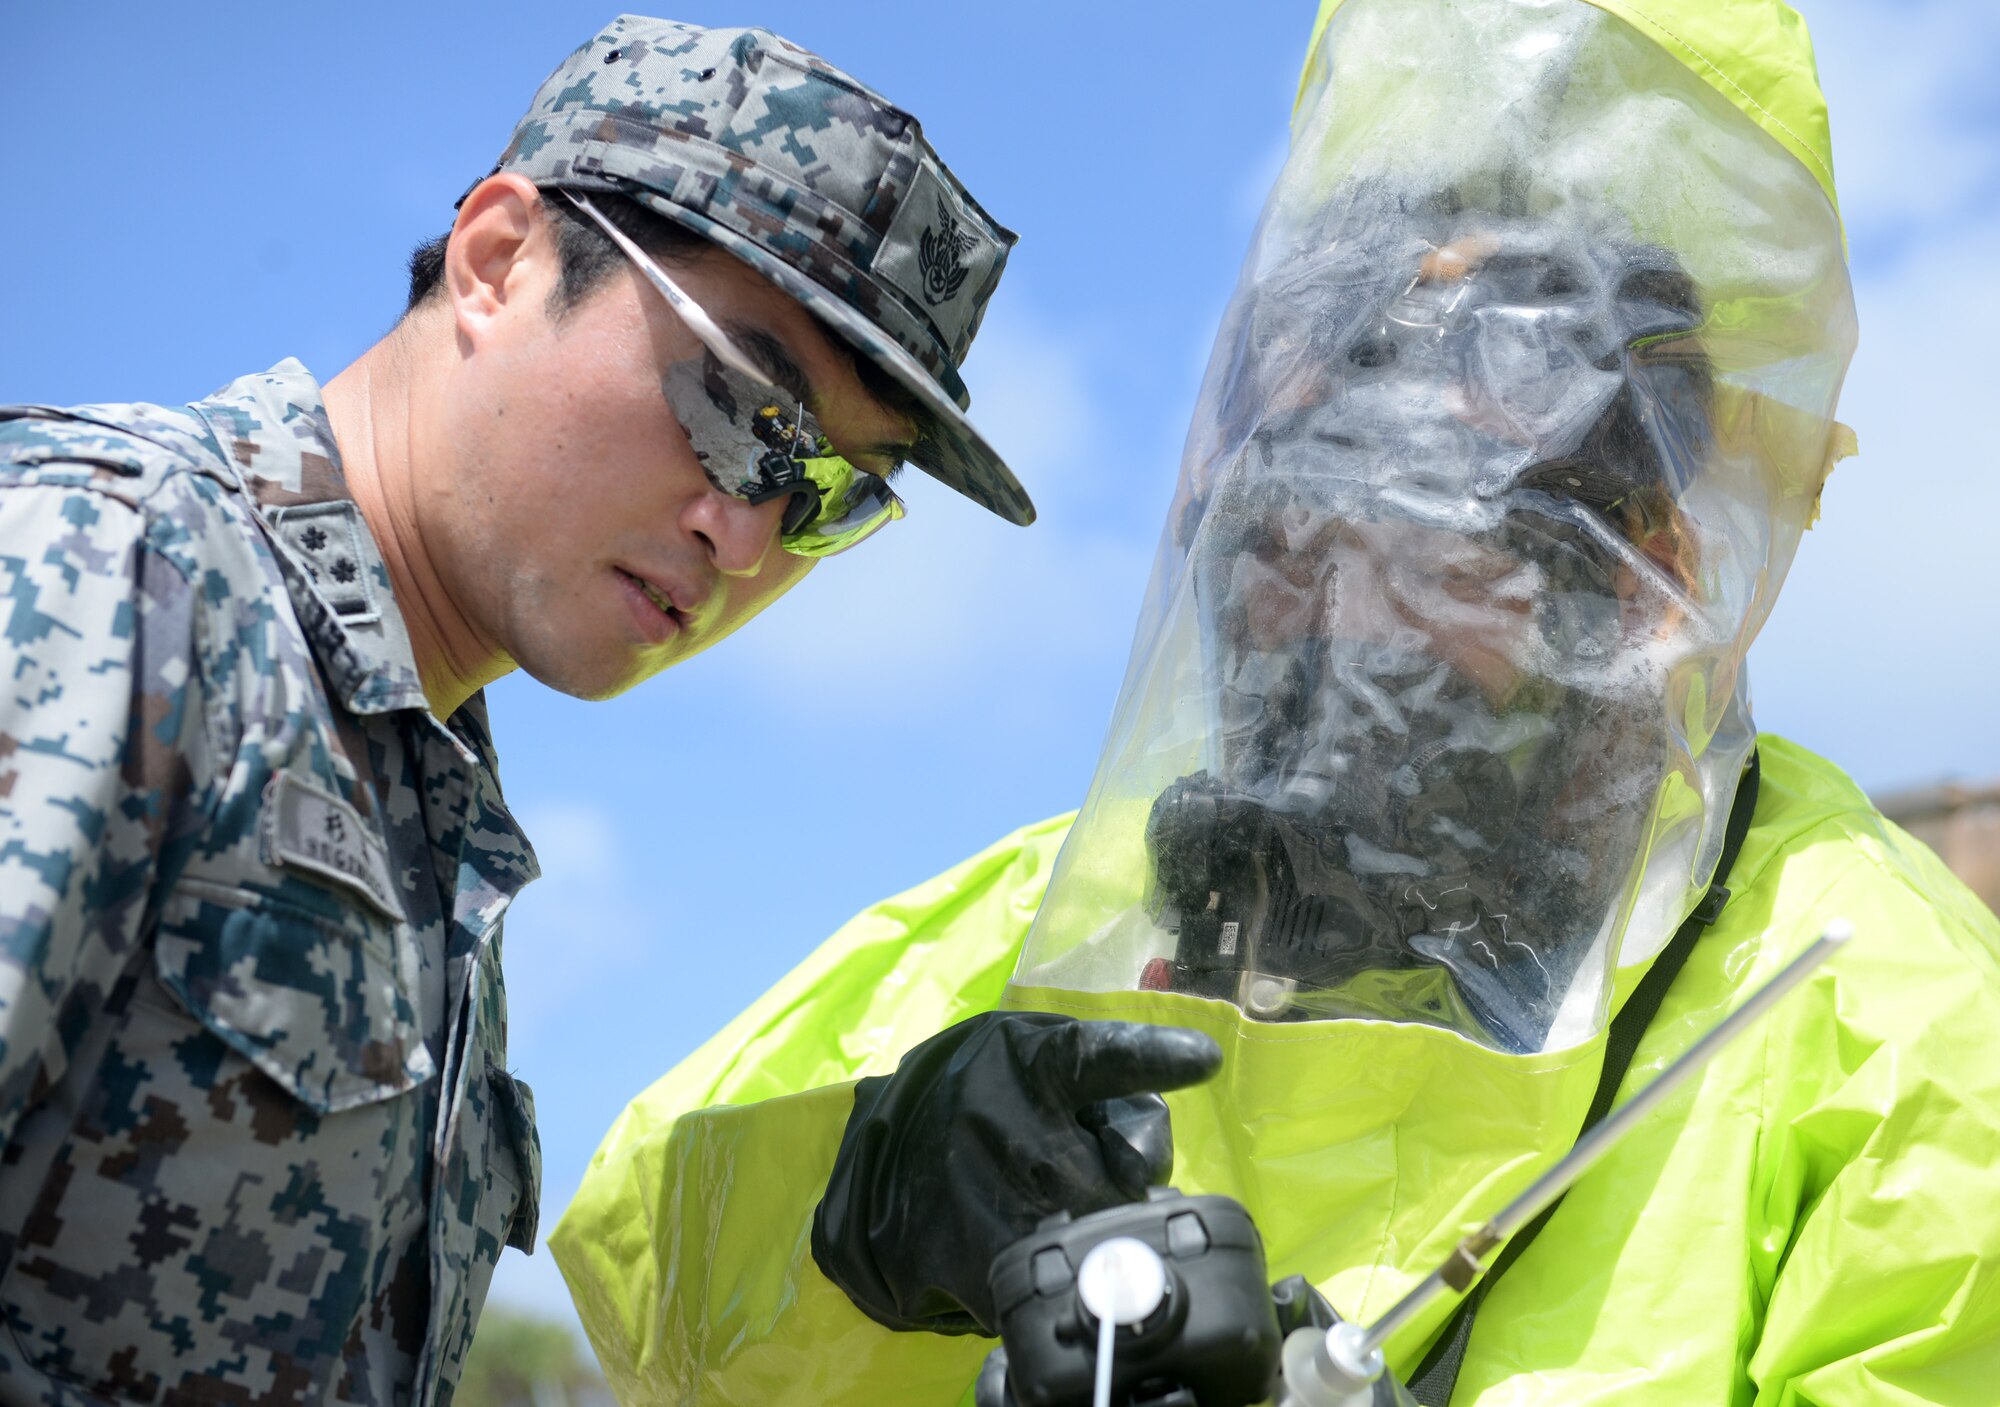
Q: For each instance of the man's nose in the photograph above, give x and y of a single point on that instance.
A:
(740, 536)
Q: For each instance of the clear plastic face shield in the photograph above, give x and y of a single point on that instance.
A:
(1437, 705)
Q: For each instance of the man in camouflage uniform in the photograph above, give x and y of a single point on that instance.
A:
(260, 1139)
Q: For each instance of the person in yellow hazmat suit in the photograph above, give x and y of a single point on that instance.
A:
(1433, 768)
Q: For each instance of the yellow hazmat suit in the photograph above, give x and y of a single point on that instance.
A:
(1811, 1222)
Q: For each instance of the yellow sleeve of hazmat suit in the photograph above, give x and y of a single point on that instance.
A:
(1811, 1223)
(686, 1248)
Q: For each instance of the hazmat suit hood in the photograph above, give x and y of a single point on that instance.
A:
(1438, 705)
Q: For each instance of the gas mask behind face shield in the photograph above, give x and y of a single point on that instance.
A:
(1415, 725)
(1432, 633)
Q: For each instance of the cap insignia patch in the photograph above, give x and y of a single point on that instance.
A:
(941, 255)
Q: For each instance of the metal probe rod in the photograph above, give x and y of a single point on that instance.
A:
(1469, 1255)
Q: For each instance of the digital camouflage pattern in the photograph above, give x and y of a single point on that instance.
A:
(260, 1141)
(810, 177)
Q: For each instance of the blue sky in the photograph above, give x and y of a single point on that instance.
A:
(200, 191)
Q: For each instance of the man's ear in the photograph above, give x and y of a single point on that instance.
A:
(501, 252)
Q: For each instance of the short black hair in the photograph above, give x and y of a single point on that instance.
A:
(586, 257)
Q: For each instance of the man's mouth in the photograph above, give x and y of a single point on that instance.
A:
(663, 602)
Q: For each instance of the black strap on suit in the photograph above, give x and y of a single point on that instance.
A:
(1437, 1375)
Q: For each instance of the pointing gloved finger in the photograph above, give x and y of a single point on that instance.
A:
(1137, 1140)
(982, 1131)
(1087, 1061)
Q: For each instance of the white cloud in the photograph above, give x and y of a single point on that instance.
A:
(956, 596)
(577, 925)
(1883, 650)
(1905, 84)
(576, 841)
(1031, 400)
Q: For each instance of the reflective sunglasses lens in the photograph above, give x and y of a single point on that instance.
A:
(854, 505)
(756, 448)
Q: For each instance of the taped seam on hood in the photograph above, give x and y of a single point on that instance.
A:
(1788, 65)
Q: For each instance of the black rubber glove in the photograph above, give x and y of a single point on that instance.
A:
(985, 1129)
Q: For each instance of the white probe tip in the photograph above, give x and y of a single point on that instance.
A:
(1838, 932)
(1122, 1281)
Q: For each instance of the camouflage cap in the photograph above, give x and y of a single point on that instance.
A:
(811, 178)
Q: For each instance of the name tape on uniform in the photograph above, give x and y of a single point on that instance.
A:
(316, 830)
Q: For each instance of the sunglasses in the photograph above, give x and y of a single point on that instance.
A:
(755, 441)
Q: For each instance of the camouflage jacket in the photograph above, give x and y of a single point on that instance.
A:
(260, 1142)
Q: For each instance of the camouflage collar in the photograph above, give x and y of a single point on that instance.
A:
(272, 427)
